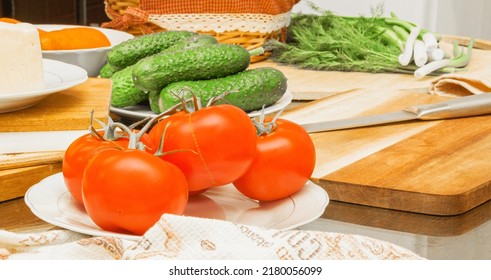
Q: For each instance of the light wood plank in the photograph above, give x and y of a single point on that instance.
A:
(433, 167)
(65, 110)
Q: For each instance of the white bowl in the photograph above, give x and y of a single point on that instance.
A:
(92, 60)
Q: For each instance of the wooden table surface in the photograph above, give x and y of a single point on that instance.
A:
(463, 236)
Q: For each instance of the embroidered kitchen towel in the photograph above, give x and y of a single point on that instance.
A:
(191, 238)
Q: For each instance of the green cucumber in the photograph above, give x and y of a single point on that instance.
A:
(129, 52)
(154, 72)
(132, 95)
(249, 90)
(153, 101)
(192, 42)
(124, 93)
(107, 71)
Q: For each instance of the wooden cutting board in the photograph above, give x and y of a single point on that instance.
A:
(63, 111)
(438, 167)
(15, 182)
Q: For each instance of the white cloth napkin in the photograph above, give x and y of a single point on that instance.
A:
(461, 84)
(180, 237)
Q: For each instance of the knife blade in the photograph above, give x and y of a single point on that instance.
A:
(472, 105)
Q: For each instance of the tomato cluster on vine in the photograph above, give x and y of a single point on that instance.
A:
(126, 179)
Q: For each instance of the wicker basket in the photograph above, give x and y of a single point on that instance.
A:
(122, 13)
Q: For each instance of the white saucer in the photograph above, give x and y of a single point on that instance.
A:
(140, 112)
(58, 76)
(50, 201)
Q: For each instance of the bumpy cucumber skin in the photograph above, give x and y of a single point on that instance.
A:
(129, 52)
(248, 90)
(108, 70)
(153, 73)
(153, 101)
(197, 40)
(124, 92)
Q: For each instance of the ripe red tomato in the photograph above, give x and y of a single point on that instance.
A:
(284, 162)
(127, 191)
(212, 146)
(78, 154)
(76, 157)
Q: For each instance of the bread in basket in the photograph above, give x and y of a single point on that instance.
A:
(246, 23)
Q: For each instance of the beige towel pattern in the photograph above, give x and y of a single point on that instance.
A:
(461, 84)
(180, 237)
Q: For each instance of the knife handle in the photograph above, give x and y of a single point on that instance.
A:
(473, 105)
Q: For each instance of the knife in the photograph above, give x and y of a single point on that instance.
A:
(472, 105)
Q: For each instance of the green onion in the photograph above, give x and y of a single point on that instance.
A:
(325, 41)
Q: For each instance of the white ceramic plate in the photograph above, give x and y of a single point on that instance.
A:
(50, 201)
(58, 76)
(139, 112)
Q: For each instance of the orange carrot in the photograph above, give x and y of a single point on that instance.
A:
(73, 38)
(9, 20)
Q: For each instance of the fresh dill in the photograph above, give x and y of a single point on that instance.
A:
(326, 41)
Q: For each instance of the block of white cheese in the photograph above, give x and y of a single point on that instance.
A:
(21, 62)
